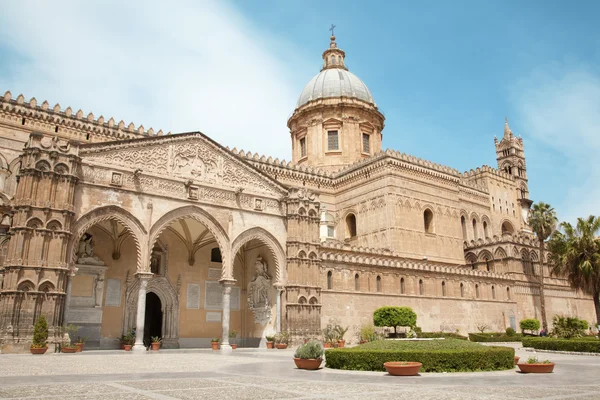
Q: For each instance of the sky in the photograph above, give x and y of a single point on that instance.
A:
(444, 73)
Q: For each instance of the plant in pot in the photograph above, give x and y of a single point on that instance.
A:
(40, 336)
(533, 365)
(80, 343)
(367, 334)
(214, 343)
(402, 368)
(68, 347)
(270, 341)
(340, 332)
(128, 341)
(232, 341)
(309, 355)
(282, 340)
(329, 336)
(155, 342)
(75, 340)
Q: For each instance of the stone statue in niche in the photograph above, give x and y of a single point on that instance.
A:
(258, 293)
(85, 251)
(98, 290)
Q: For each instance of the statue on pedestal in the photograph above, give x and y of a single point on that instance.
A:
(258, 293)
(85, 251)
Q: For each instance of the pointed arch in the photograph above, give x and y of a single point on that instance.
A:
(125, 218)
(275, 248)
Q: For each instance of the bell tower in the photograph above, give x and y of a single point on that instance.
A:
(510, 155)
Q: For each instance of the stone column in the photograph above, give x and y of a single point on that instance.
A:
(278, 308)
(70, 274)
(141, 312)
(225, 346)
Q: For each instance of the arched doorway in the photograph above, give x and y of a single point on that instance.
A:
(153, 319)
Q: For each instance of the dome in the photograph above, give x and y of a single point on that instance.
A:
(335, 82)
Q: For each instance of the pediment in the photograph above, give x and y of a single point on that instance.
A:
(189, 156)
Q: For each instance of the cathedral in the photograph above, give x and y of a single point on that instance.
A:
(115, 228)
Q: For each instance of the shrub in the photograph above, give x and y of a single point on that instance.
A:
(367, 333)
(568, 327)
(510, 331)
(270, 338)
(584, 345)
(394, 317)
(310, 350)
(449, 335)
(40, 332)
(529, 324)
(494, 337)
(482, 327)
(436, 356)
(282, 337)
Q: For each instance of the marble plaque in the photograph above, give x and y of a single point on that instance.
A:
(213, 317)
(193, 296)
(213, 296)
(214, 274)
(113, 293)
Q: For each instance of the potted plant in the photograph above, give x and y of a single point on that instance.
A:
(536, 367)
(340, 332)
(40, 336)
(68, 347)
(156, 340)
(282, 340)
(214, 343)
(128, 341)
(329, 336)
(402, 368)
(309, 355)
(270, 341)
(80, 343)
(232, 336)
(367, 334)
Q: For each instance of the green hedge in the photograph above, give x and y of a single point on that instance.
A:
(444, 356)
(449, 335)
(495, 337)
(585, 345)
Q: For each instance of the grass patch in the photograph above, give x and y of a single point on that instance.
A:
(495, 337)
(584, 344)
(448, 355)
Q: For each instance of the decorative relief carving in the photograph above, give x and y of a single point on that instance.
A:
(258, 293)
(117, 179)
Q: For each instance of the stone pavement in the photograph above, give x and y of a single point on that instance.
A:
(271, 374)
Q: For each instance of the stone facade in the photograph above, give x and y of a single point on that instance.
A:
(113, 228)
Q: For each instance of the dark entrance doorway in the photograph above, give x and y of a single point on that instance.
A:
(153, 318)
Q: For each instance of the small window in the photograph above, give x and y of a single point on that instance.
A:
(462, 290)
(333, 59)
(339, 60)
(332, 140)
(444, 289)
(303, 147)
(463, 225)
(215, 255)
(421, 290)
(493, 292)
(508, 293)
(475, 234)
(329, 280)
(356, 283)
(476, 290)
(402, 288)
(428, 221)
(486, 232)
(330, 231)
(365, 143)
(350, 226)
(378, 283)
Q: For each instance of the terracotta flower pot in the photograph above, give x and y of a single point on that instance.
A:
(69, 349)
(327, 345)
(341, 343)
(362, 342)
(155, 346)
(281, 346)
(214, 345)
(127, 347)
(79, 347)
(402, 368)
(38, 350)
(233, 346)
(269, 345)
(536, 368)
(517, 359)
(311, 364)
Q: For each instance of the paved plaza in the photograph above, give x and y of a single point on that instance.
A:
(270, 374)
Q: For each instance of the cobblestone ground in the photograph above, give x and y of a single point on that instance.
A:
(262, 374)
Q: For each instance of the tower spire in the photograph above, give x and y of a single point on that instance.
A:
(507, 131)
(333, 57)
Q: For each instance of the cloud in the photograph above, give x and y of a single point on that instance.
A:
(179, 67)
(559, 106)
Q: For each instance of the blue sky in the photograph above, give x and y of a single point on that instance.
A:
(445, 74)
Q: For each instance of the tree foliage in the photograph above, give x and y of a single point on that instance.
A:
(40, 332)
(575, 254)
(394, 316)
(568, 327)
(529, 324)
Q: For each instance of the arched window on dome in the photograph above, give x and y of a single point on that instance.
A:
(333, 59)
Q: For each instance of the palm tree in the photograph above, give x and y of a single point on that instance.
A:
(576, 255)
(542, 221)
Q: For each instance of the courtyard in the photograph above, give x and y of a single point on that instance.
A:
(271, 374)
